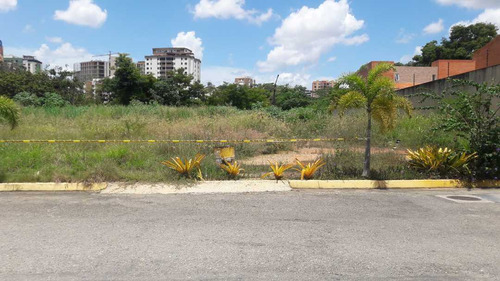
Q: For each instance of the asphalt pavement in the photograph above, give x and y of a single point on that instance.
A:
(298, 235)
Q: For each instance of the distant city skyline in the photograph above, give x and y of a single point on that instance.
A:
(302, 40)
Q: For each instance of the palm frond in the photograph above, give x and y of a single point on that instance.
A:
(354, 81)
(378, 71)
(385, 110)
(381, 86)
(350, 100)
(404, 104)
(9, 112)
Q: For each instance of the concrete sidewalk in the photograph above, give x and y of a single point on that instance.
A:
(243, 186)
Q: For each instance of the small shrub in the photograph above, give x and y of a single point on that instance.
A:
(278, 170)
(27, 99)
(185, 167)
(232, 170)
(53, 100)
(442, 161)
(307, 171)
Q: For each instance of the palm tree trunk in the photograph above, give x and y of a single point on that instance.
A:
(366, 168)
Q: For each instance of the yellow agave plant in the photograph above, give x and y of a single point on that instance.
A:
(185, 167)
(233, 170)
(438, 159)
(278, 170)
(307, 171)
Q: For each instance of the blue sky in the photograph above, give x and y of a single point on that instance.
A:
(303, 40)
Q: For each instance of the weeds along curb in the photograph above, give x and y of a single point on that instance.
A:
(53, 187)
(389, 184)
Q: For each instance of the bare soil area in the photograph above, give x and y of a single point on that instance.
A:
(309, 154)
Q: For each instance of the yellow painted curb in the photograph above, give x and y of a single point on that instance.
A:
(389, 184)
(9, 187)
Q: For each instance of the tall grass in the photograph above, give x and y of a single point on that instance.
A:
(141, 162)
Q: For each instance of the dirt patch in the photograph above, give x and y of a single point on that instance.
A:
(309, 154)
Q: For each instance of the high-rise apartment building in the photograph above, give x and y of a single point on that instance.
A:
(90, 70)
(28, 63)
(320, 85)
(141, 65)
(165, 60)
(245, 81)
(31, 64)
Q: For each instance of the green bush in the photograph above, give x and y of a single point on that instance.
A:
(27, 99)
(53, 100)
(470, 110)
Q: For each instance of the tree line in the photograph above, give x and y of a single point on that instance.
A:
(58, 87)
(461, 45)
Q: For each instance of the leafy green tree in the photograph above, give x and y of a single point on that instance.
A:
(289, 98)
(126, 84)
(463, 42)
(376, 94)
(56, 80)
(164, 93)
(189, 92)
(241, 97)
(177, 90)
(470, 110)
(66, 85)
(9, 112)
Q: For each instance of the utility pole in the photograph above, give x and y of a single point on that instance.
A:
(274, 93)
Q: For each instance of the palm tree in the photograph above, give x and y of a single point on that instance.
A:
(9, 112)
(375, 93)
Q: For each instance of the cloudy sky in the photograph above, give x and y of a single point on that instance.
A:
(303, 40)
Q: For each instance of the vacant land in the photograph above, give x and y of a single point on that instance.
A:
(140, 162)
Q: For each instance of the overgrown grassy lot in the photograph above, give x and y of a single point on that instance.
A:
(141, 162)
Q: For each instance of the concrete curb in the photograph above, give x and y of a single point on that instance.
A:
(389, 184)
(53, 187)
(240, 186)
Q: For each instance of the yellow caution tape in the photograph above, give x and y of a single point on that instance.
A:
(183, 141)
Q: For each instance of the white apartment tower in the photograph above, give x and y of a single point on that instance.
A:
(165, 60)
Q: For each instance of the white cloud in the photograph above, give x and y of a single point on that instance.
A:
(435, 27)
(305, 35)
(404, 37)
(7, 5)
(294, 79)
(28, 28)
(190, 41)
(57, 40)
(488, 16)
(83, 12)
(472, 4)
(64, 54)
(408, 58)
(332, 59)
(491, 13)
(227, 9)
